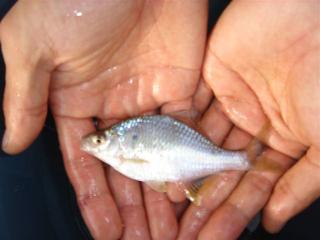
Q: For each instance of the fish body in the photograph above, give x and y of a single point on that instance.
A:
(159, 148)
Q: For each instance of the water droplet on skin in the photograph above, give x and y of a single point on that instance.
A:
(137, 232)
(107, 220)
(77, 13)
(129, 195)
(93, 189)
(156, 89)
(240, 203)
(201, 213)
(130, 81)
(194, 225)
(234, 112)
(82, 160)
(112, 69)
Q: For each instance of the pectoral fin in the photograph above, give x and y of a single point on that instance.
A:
(133, 160)
(157, 186)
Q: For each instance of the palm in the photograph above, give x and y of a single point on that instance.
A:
(268, 73)
(141, 82)
(262, 63)
(138, 69)
(109, 60)
(141, 72)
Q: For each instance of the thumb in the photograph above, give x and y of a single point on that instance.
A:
(25, 95)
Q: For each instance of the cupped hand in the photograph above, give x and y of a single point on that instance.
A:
(109, 60)
(262, 63)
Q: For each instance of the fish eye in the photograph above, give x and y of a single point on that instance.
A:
(98, 139)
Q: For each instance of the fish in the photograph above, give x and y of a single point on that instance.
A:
(158, 149)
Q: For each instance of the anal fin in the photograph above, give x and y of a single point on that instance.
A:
(192, 190)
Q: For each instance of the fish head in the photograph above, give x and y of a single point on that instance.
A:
(101, 143)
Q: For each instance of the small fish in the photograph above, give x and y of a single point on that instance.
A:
(158, 149)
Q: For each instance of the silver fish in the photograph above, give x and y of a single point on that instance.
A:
(158, 149)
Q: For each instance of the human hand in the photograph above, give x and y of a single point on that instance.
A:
(262, 63)
(109, 60)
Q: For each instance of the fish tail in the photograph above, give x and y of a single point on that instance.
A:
(255, 147)
(253, 150)
(255, 154)
(258, 160)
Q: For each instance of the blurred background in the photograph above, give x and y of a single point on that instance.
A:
(37, 201)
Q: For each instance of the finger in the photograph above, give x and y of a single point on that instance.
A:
(26, 93)
(161, 215)
(127, 194)
(216, 126)
(218, 188)
(180, 208)
(296, 190)
(229, 220)
(87, 176)
(196, 216)
(202, 97)
(175, 193)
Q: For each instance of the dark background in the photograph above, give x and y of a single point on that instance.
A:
(37, 201)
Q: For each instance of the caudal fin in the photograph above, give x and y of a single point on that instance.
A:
(257, 160)
(254, 149)
(255, 155)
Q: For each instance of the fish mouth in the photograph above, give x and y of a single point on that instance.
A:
(86, 147)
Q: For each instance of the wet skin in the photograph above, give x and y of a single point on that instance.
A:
(108, 60)
(116, 60)
(263, 67)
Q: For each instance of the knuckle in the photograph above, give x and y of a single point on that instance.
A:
(39, 110)
(88, 198)
(131, 208)
(279, 213)
(82, 164)
(169, 234)
(238, 212)
(260, 182)
(284, 188)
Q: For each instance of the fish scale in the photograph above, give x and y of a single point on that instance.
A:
(159, 148)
